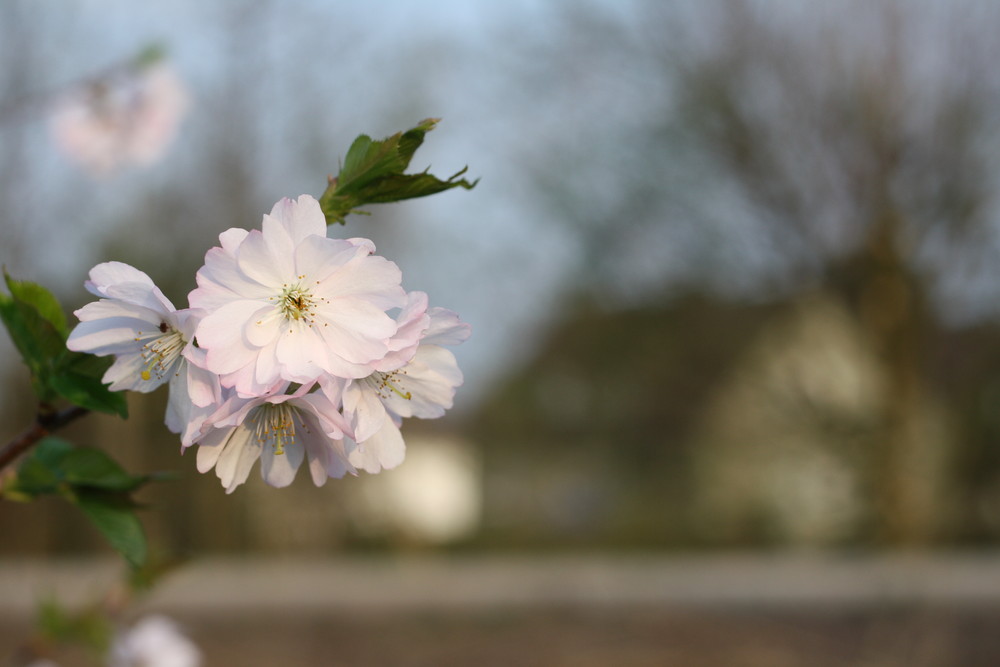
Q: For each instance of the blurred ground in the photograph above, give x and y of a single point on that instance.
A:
(728, 610)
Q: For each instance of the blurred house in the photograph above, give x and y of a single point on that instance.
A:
(715, 424)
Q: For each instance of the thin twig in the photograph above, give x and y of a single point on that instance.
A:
(44, 424)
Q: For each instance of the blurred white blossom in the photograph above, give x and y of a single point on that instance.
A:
(154, 641)
(129, 118)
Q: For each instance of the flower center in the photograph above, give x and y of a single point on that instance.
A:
(389, 383)
(162, 352)
(273, 425)
(295, 303)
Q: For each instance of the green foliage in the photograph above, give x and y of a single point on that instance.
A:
(36, 323)
(90, 628)
(373, 174)
(91, 480)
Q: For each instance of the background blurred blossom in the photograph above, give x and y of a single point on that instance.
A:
(128, 118)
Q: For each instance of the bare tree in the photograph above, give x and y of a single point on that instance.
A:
(848, 147)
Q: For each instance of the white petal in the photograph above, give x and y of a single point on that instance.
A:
(385, 449)
(267, 260)
(279, 470)
(112, 273)
(364, 410)
(302, 218)
(445, 328)
(237, 459)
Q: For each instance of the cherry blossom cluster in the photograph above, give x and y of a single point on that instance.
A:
(295, 348)
(129, 118)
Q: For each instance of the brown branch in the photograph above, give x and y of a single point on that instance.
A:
(44, 424)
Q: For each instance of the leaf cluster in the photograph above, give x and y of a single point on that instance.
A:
(36, 324)
(89, 479)
(373, 174)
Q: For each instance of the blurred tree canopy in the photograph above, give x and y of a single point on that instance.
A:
(764, 150)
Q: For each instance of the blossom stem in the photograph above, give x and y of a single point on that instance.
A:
(45, 423)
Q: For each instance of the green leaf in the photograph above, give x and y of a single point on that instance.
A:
(35, 338)
(373, 174)
(89, 467)
(92, 480)
(367, 160)
(36, 323)
(78, 379)
(40, 299)
(91, 627)
(413, 138)
(402, 186)
(37, 326)
(41, 471)
(114, 515)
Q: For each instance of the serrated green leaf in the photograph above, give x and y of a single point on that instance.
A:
(403, 186)
(40, 299)
(373, 174)
(367, 160)
(413, 138)
(115, 517)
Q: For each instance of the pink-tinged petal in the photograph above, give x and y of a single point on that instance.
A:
(107, 274)
(333, 388)
(208, 455)
(349, 356)
(326, 457)
(363, 409)
(300, 350)
(186, 322)
(318, 257)
(445, 328)
(325, 413)
(227, 349)
(231, 239)
(412, 321)
(267, 370)
(179, 405)
(371, 278)
(126, 375)
(366, 245)
(107, 309)
(141, 294)
(317, 457)
(240, 452)
(108, 336)
(220, 281)
(302, 218)
(429, 380)
(263, 326)
(278, 470)
(267, 260)
(203, 386)
(384, 450)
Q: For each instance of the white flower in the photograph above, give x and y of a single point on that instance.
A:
(154, 642)
(287, 303)
(129, 118)
(137, 324)
(281, 430)
(424, 387)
